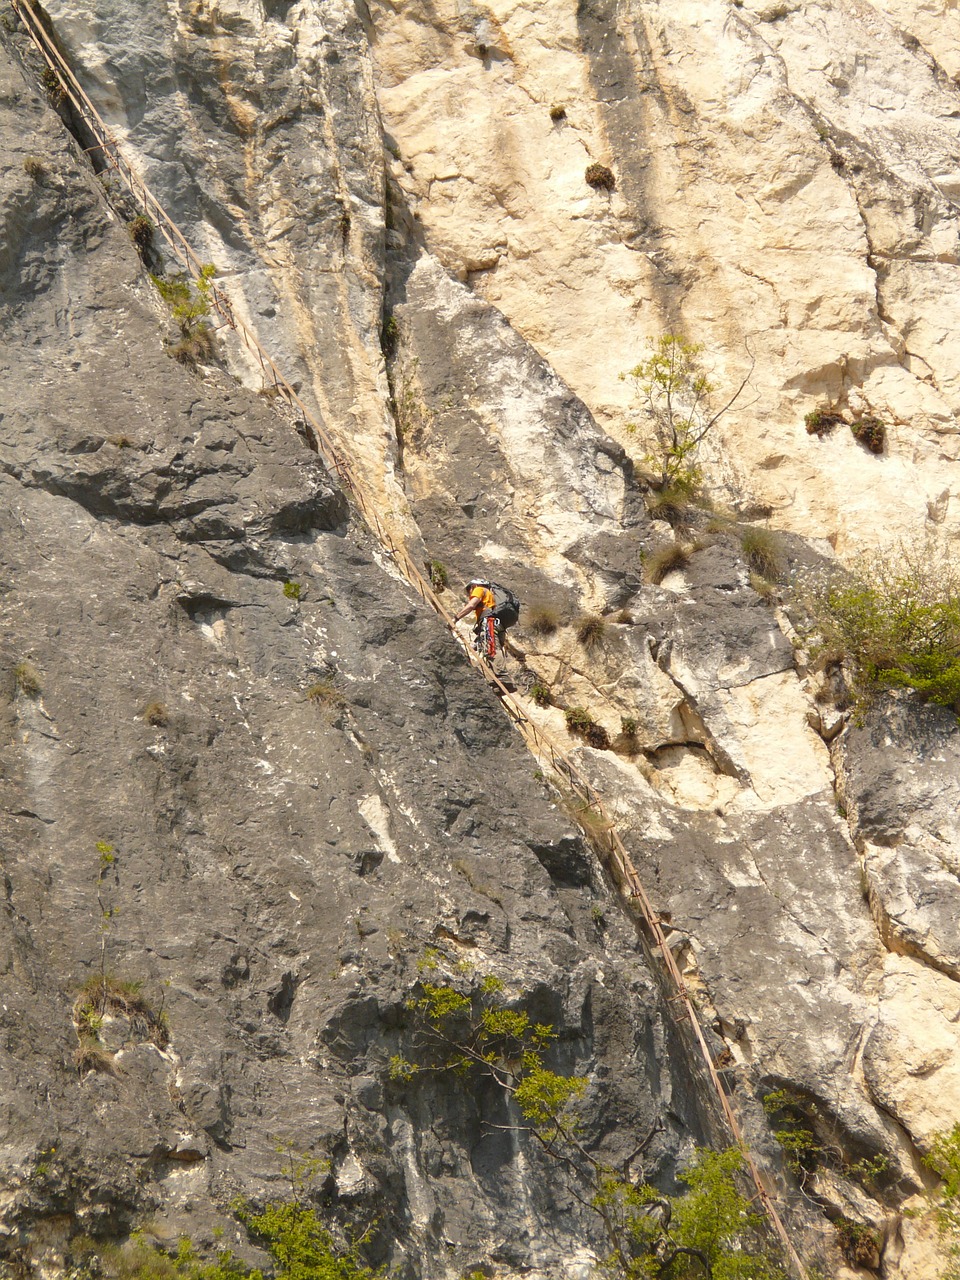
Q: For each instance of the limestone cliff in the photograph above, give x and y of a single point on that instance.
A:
(245, 766)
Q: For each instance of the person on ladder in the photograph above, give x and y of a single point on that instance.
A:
(491, 618)
(481, 602)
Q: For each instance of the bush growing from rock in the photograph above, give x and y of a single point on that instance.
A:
(141, 233)
(438, 574)
(467, 1024)
(156, 714)
(676, 397)
(189, 303)
(896, 616)
(870, 432)
(600, 177)
(578, 719)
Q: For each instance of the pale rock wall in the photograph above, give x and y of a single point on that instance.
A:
(786, 187)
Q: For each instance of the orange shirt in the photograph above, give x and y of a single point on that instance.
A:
(484, 595)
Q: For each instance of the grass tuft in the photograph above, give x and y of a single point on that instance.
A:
(765, 552)
(541, 620)
(590, 629)
(156, 714)
(674, 555)
(28, 679)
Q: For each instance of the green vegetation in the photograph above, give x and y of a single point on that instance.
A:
(870, 432)
(27, 678)
(104, 996)
(292, 590)
(390, 335)
(438, 574)
(581, 722)
(299, 1246)
(944, 1160)
(470, 1026)
(896, 617)
(557, 113)
(765, 552)
(578, 719)
(821, 421)
(189, 303)
(628, 726)
(541, 695)
(859, 1244)
(676, 399)
(791, 1119)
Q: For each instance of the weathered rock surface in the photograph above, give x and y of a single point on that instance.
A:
(261, 807)
(343, 787)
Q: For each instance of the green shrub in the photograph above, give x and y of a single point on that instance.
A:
(793, 1130)
(859, 1244)
(870, 432)
(438, 574)
(299, 1245)
(189, 303)
(541, 695)
(292, 590)
(578, 719)
(590, 630)
(944, 1159)
(765, 552)
(677, 401)
(896, 616)
(628, 726)
(390, 335)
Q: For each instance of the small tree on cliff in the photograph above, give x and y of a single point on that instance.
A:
(677, 400)
(465, 1025)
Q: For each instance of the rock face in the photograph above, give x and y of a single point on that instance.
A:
(244, 767)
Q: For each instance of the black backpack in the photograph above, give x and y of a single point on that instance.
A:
(507, 609)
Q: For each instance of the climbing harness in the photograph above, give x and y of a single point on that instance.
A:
(600, 829)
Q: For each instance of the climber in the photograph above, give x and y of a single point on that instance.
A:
(494, 608)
